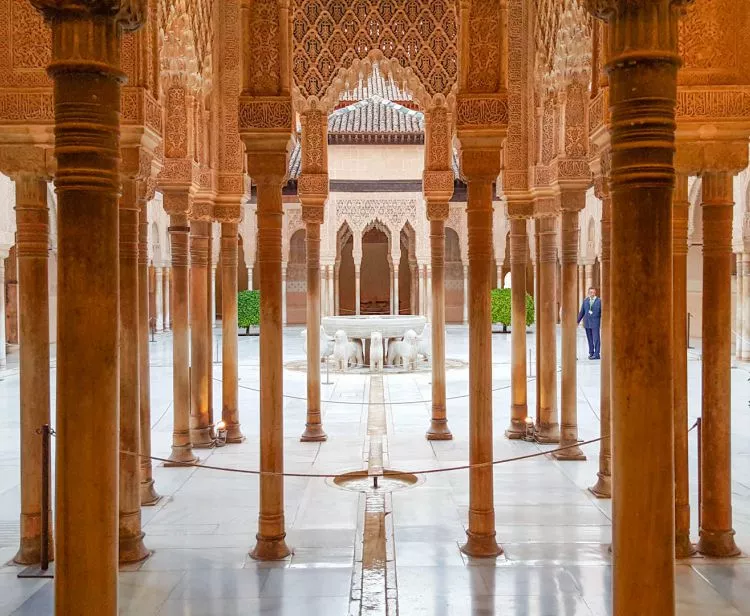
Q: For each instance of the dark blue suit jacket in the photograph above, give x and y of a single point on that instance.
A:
(594, 320)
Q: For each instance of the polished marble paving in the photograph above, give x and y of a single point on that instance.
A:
(555, 534)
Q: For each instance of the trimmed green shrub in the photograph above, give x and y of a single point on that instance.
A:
(248, 309)
(502, 309)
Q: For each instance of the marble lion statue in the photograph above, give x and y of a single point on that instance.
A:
(424, 343)
(404, 351)
(326, 343)
(376, 352)
(346, 352)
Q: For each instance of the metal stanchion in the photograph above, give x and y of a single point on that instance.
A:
(699, 432)
(328, 380)
(43, 569)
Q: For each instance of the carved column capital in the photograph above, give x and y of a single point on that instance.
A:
(201, 209)
(227, 210)
(437, 210)
(438, 185)
(15, 160)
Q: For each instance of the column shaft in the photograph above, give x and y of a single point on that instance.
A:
(283, 295)
(569, 313)
(85, 70)
(182, 449)
(271, 544)
(589, 274)
(330, 311)
(32, 243)
(681, 208)
(148, 494)
(538, 328)
(439, 423)
(395, 289)
(466, 293)
(739, 296)
(356, 289)
(548, 430)
(746, 306)
(230, 413)
(603, 486)
(642, 73)
(716, 533)
(210, 313)
(159, 299)
(518, 394)
(481, 531)
(3, 339)
(130, 535)
(200, 421)
(313, 425)
(166, 296)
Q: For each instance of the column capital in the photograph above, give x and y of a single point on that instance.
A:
(129, 14)
(519, 206)
(480, 162)
(437, 210)
(201, 209)
(438, 185)
(227, 209)
(313, 214)
(312, 189)
(572, 199)
(16, 160)
(695, 156)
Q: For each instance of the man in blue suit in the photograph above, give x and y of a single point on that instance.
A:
(591, 315)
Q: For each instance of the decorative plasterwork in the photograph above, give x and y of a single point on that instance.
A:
(330, 35)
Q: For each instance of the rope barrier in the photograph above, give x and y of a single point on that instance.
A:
(386, 473)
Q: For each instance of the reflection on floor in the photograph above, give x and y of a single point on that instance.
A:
(555, 534)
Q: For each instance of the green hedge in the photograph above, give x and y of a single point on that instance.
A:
(502, 308)
(248, 309)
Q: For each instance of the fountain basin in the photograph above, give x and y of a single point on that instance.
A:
(361, 327)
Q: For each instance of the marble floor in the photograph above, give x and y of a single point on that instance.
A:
(554, 532)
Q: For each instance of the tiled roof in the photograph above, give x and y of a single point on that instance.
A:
(376, 85)
(375, 116)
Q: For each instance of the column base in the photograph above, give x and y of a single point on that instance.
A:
(481, 546)
(570, 455)
(132, 549)
(517, 428)
(313, 434)
(270, 548)
(149, 495)
(718, 543)
(549, 433)
(683, 547)
(234, 434)
(29, 551)
(201, 438)
(182, 455)
(603, 486)
(439, 431)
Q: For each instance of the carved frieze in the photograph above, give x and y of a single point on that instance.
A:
(265, 114)
(482, 111)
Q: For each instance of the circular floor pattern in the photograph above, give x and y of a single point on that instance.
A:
(300, 365)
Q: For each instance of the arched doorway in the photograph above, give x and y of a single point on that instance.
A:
(345, 270)
(296, 280)
(375, 271)
(454, 278)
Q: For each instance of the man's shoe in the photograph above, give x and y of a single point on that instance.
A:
(597, 357)
(591, 357)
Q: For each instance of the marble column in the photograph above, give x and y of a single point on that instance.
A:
(569, 315)
(159, 299)
(32, 241)
(716, 533)
(589, 276)
(249, 278)
(200, 422)
(182, 448)
(738, 278)
(395, 289)
(271, 542)
(313, 217)
(356, 288)
(466, 294)
(148, 494)
(420, 276)
(3, 340)
(323, 291)
(230, 413)
(130, 535)
(166, 293)
(329, 273)
(428, 294)
(283, 295)
(548, 429)
(680, 217)
(210, 314)
(336, 298)
(86, 77)
(518, 394)
(746, 305)
(480, 533)
(212, 297)
(642, 69)
(582, 291)
(537, 327)
(603, 486)
(437, 214)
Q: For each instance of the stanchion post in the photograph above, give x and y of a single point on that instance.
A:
(44, 549)
(699, 431)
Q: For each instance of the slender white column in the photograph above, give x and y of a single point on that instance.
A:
(283, 295)
(420, 303)
(395, 291)
(159, 299)
(738, 278)
(336, 298)
(429, 293)
(3, 360)
(250, 278)
(329, 286)
(746, 306)
(356, 289)
(466, 294)
(212, 295)
(167, 298)
(323, 292)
